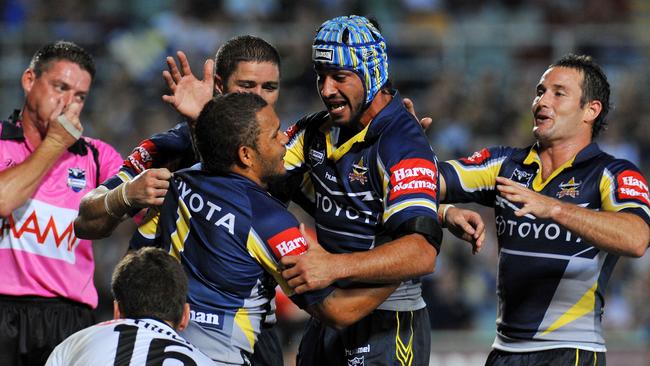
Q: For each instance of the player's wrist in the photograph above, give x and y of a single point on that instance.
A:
(116, 204)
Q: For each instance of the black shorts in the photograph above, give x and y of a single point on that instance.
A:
(551, 357)
(268, 351)
(382, 338)
(30, 327)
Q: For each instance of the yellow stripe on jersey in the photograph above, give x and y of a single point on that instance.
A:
(477, 178)
(336, 154)
(607, 199)
(390, 211)
(149, 226)
(179, 236)
(295, 156)
(244, 323)
(259, 251)
(123, 176)
(404, 353)
(584, 306)
(538, 183)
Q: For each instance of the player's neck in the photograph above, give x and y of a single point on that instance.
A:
(554, 155)
(378, 103)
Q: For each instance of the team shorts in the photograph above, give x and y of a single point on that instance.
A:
(381, 338)
(551, 357)
(267, 350)
(31, 326)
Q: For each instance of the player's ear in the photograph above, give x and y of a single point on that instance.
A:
(246, 155)
(218, 85)
(116, 310)
(27, 79)
(185, 319)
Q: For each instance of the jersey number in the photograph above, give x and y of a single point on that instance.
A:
(156, 353)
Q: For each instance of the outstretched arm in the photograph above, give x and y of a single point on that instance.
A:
(101, 209)
(616, 232)
(188, 94)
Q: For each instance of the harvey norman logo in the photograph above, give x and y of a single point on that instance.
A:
(323, 54)
(288, 242)
(207, 319)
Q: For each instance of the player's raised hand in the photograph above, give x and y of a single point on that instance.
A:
(188, 94)
(149, 188)
(312, 270)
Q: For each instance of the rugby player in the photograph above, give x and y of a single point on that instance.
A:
(565, 212)
(230, 233)
(149, 307)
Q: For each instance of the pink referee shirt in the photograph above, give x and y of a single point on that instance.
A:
(39, 252)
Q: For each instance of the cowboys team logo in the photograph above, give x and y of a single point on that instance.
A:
(521, 177)
(357, 361)
(569, 188)
(316, 157)
(76, 179)
(358, 172)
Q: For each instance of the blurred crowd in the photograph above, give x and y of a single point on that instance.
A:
(470, 65)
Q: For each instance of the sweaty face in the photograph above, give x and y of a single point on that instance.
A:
(557, 114)
(343, 94)
(62, 83)
(271, 141)
(261, 78)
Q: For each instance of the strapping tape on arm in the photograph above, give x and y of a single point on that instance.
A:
(72, 130)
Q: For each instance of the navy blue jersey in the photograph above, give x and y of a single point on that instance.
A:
(362, 190)
(172, 149)
(551, 282)
(229, 234)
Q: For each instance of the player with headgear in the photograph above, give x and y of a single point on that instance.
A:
(370, 179)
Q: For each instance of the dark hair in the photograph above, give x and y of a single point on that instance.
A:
(150, 283)
(594, 85)
(62, 50)
(227, 122)
(240, 49)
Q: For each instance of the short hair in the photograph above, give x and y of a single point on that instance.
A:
(150, 283)
(62, 50)
(227, 122)
(594, 85)
(241, 49)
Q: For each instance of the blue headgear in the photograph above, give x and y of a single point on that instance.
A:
(353, 43)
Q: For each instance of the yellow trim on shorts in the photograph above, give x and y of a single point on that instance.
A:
(404, 353)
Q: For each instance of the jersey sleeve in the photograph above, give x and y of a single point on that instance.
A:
(408, 178)
(172, 149)
(273, 235)
(623, 188)
(473, 179)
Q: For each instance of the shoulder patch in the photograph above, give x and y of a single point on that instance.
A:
(288, 242)
(413, 176)
(477, 158)
(632, 185)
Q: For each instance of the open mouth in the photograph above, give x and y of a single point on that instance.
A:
(335, 107)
